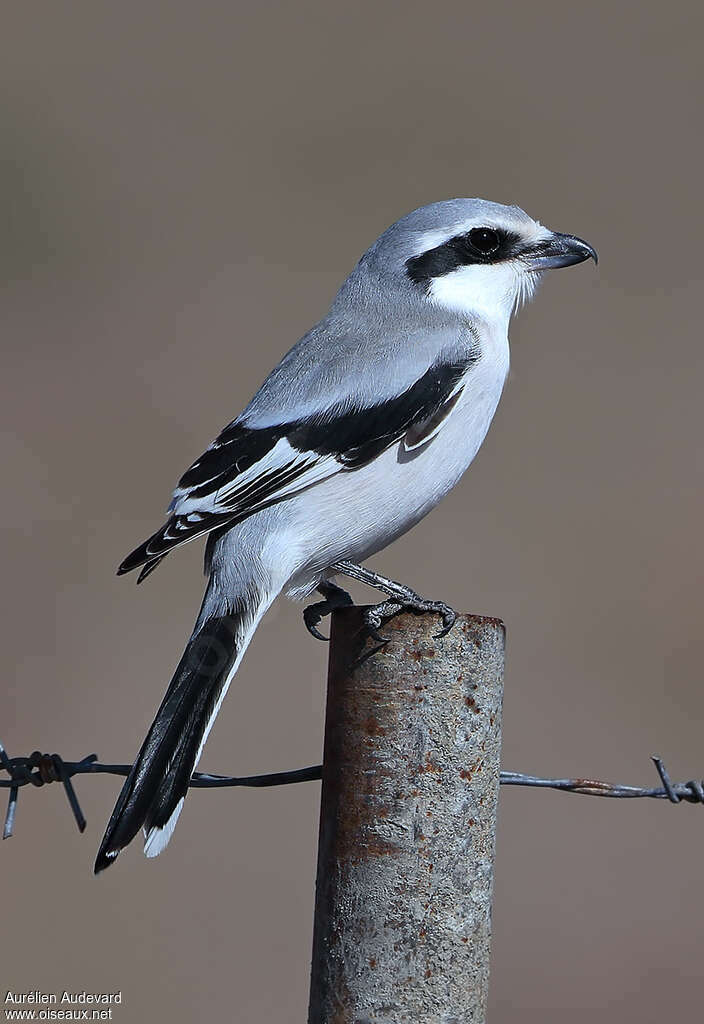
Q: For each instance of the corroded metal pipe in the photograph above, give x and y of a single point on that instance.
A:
(407, 822)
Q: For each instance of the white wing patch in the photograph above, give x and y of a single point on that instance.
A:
(281, 472)
(425, 430)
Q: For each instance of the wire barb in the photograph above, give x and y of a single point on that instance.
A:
(40, 769)
(672, 796)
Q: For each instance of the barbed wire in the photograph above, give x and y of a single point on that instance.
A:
(41, 769)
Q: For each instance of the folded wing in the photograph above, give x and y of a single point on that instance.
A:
(248, 468)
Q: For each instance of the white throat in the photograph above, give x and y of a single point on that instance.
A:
(487, 292)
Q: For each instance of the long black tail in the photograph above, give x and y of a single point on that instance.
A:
(153, 793)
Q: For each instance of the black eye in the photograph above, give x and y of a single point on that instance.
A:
(484, 240)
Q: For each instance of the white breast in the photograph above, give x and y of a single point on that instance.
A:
(355, 514)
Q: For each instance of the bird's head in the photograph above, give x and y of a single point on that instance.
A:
(473, 257)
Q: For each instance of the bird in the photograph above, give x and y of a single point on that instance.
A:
(360, 430)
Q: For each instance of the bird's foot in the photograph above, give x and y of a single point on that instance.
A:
(313, 614)
(401, 598)
(408, 601)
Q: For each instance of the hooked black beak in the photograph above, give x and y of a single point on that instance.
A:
(560, 251)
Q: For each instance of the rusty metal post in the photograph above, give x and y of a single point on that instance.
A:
(407, 822)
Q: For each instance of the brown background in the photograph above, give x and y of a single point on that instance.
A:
(183, 188)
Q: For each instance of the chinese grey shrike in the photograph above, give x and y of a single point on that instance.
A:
(369, 420)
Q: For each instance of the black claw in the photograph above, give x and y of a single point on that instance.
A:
(443, 632)
(335, 597)
(374, 617)
(376, 635)
(312, 615)
(449, 618)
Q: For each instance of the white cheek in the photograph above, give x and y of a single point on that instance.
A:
(486, 291)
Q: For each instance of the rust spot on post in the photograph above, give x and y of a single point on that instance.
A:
(372, 727)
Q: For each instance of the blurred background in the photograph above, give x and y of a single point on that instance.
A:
(182, 189)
